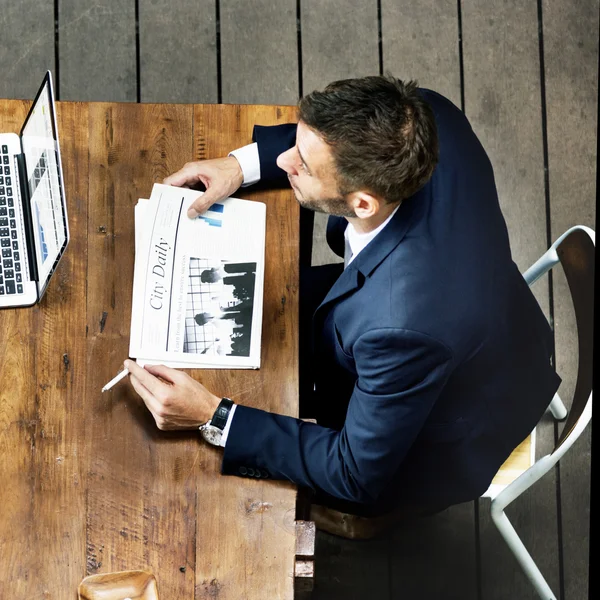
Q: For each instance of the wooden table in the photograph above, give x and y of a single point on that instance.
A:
(88, 483)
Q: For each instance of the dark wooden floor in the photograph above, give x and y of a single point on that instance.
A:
(526, 74)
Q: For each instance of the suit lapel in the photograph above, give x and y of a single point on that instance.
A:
(364, 264)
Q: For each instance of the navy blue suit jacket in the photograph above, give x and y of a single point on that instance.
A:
(430, 345)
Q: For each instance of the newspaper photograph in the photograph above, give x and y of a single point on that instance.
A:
(198, 283)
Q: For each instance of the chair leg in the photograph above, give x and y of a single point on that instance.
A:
(520, 552)
(557, 408)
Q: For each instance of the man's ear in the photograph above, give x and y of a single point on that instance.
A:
(365, 205)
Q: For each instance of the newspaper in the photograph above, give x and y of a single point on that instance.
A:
(198, 283)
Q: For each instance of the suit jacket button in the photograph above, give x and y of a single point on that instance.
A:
(264, 473)
(243, 471)
(250, 472)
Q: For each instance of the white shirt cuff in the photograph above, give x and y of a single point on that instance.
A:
(227, 426)
(249, 162)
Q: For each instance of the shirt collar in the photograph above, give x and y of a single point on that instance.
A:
(358, 241)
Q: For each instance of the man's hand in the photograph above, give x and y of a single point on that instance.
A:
(176, 401)
(221, 177)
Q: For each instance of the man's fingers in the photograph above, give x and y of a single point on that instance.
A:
(221, 177)
(178, 179)
(150, 382)
(164, 372)
(204, 202)
(149, 400)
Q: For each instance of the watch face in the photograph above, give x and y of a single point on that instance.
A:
(212, 434)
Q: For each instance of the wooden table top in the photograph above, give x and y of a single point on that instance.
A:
(88, 483)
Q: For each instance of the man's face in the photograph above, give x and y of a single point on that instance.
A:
(311, 171)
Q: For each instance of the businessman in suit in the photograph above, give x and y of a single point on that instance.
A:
(430, 357)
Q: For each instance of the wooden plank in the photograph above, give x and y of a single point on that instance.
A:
(263, 511)
(133, 521)
(259, 52)
(27, 48)
(59, 459)
(97, 50)
(571, 77)
(19, 428)
(43, 353)
(502, 101)
(339, 40)
(178, 55)
(420, 41)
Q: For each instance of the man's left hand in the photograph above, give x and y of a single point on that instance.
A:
(175, 400)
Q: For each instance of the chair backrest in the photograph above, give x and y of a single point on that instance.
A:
(576, 252)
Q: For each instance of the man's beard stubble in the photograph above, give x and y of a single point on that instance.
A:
(338, 207)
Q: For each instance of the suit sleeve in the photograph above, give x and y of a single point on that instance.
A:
(400, 375)
(272, 141)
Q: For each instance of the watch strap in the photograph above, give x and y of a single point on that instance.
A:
(219, 419)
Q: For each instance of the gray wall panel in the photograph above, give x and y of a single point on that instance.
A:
(259, 51)
(178, 52)
(26, 46)
(420, 41)
(339, 40)
(97, 51)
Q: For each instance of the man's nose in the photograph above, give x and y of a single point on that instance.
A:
(285, 162)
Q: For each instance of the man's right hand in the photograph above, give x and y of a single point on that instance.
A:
(221, 177)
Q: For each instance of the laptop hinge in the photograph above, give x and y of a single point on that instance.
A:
(27, 218)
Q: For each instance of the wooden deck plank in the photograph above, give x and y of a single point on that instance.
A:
(61, 450)
(27, 46)
(97, 51)
(420, 41)
(20, 427)
(43, 447)
(571, 76)
(160, 513)
(259, 52)
(178, 52)
(503, 103)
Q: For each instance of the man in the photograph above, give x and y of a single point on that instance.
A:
(431, 357)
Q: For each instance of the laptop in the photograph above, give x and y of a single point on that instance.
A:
(34, 231)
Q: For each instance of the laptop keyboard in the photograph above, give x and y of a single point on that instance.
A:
(11, 277)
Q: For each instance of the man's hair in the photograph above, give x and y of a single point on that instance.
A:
(381, 132)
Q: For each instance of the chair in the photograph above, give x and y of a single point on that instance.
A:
(575, 250)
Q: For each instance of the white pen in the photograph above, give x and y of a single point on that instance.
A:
(116, 380)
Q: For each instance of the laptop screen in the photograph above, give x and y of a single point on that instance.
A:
(39, 140)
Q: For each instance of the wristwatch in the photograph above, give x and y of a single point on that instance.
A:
(212, 430)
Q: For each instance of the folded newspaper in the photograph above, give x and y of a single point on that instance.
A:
(198, 283)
